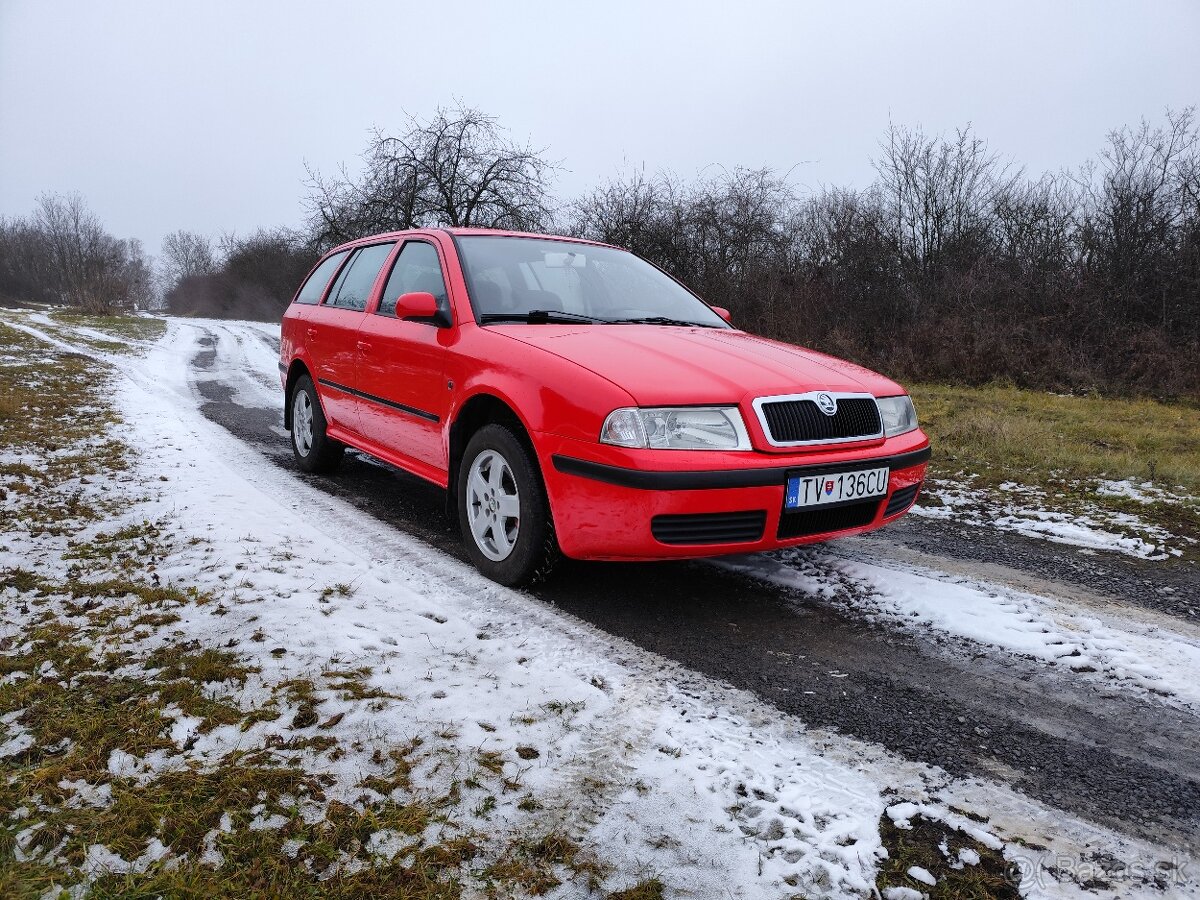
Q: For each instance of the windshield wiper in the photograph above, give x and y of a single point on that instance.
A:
(536, 316)
(659, 320)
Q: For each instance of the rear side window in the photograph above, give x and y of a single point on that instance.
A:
(317, 281)
(354, 285)
(417, 268)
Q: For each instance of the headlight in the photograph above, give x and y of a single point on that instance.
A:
(898, 415)
(677, 428)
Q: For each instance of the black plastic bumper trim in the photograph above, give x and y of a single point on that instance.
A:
(901, 499)
(724, 478)
(742, 527)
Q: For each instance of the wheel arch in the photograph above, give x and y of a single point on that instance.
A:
(295, 370)
(483, 408)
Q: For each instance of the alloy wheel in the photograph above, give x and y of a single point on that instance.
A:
(493, 505)
(302, 423)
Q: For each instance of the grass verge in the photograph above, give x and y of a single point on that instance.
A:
(1064, 448)
(139, 762)
(131, 328)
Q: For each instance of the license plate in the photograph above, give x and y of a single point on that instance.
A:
(816, 490)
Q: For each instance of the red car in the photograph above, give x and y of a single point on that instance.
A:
(571, 397)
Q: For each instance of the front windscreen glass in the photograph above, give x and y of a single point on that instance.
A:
(515, 279)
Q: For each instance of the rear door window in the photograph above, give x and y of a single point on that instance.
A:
(417, 268)
(353, 287)
(315, 286)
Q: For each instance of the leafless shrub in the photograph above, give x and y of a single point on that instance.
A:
(954, 264)
(254, 279)
(940, 195)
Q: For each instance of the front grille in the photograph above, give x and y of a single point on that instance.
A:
(821, 521)
(902, 499)
(790, 421)
(710, 528)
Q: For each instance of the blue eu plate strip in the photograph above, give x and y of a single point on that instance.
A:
(792, 499)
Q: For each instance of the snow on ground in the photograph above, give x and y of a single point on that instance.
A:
(662, 771)
(44, 323)
(251, 351)
(1083, 642)
(1142, 492)
(1023, 509)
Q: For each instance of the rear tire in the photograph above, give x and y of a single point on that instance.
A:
(314, 450)
(503, 511)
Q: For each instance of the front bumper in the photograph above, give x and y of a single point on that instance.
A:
(610, 503)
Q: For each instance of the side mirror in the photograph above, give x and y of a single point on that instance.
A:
(723, 313)
(416, 305)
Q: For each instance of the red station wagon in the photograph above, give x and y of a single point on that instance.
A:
(572, 397)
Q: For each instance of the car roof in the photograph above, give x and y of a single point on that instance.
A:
(468, 232)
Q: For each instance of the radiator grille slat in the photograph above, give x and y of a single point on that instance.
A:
(710, 528)
(788, 421)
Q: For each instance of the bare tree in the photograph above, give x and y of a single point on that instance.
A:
(185, 254)
(1141, 213)
(625, 211)
(76, 242)
(953, 265)
(727, 235)
(940, 194)
(25, 269)
(85, 265)
(458, 169)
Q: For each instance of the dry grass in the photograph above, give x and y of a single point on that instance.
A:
(651, 889)
(53, 417)
(998, 432)
(11, 403)
(993, 878)
(537, 866)
(1064, 445)
(139, 328)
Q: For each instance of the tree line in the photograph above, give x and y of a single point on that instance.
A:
(954, 264)
(62, 254)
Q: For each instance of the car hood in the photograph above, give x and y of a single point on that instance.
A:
(670, 365)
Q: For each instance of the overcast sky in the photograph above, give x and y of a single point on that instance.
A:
(201, 115)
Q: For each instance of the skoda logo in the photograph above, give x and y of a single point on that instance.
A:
(826, 404)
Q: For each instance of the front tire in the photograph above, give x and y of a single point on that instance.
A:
(314, 450)
(503, 511)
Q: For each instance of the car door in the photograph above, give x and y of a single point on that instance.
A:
(332, 330)
(402, 362)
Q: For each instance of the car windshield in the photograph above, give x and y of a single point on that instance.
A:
(515, 279)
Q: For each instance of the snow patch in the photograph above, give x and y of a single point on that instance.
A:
(1078, 641)
(916, 873)
(1028, 511)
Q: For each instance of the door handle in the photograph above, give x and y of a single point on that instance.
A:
(364, 347)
